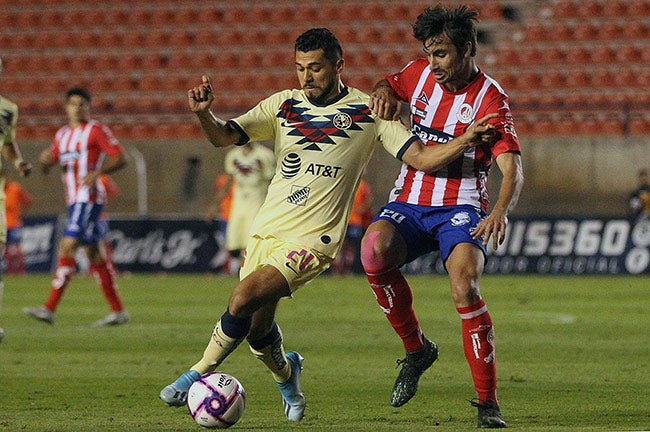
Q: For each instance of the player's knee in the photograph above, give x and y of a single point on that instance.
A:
(374, 253)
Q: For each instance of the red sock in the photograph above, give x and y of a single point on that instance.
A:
(395, 299)
(64, 271)
(478, 343)
(106, 280)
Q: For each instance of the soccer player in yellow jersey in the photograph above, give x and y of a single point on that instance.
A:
(11, 153)
(324, 135)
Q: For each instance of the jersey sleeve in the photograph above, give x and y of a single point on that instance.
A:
(504, 124)
(402, 82)
(228, 163)
(394, 136)
(107, 141)
(259, 123)
(10, 136)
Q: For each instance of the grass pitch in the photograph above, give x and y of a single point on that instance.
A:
(573, 355)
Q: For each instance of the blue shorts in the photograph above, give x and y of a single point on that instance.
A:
(84, 223)
(14, 235)
(427, 229)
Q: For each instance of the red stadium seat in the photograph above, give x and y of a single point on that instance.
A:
(602, 54)
(585, 31)
(576, 54)
(589, 8)
(633, 29)
(560, 31)
(115, 16)
(610, 30)
(163, 16)
(615, 8)
(638, 8)
(565, 9)
(628, 54)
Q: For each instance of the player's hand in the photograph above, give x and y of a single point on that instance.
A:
(493, 226)
(482, 132)
(384, 104)
(91, 178)
(200, 98)
(45, 160)
(25, 168)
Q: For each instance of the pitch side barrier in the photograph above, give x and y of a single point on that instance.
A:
(534, 245)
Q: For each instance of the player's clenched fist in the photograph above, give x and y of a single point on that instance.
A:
(200, 98)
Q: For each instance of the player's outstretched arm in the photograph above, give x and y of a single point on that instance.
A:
(495, 224)
(432, 158)
(11, 153)
(200, 99)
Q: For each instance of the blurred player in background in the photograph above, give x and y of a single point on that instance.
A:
(444, 209)
(219, 211)
(324, 135)
(17, 199)
(83, 265)
(85, 149)
(250, 168)
(348, 258)
(639, 200)
(10, 153)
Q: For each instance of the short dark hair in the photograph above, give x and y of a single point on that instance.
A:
(320, 38)
(458, 24)
(78, 91)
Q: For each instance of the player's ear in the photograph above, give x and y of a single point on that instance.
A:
(340, 64)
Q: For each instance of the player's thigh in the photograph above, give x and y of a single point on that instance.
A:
(298, 265)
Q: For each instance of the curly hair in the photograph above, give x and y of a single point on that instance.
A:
(458, 24)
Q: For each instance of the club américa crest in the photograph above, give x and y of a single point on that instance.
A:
(342, 121)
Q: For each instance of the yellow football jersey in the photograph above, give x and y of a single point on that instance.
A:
(321, 152)
(8, 121)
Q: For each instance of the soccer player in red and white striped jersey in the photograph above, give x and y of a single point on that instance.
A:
(444, 209)
(85, 149)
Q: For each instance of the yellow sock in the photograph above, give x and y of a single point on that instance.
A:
(273, 358)
(219, 347)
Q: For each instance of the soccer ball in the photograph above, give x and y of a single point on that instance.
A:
(216, 400)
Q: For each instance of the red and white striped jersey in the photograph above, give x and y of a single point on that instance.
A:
(80, 150)
(438, 116)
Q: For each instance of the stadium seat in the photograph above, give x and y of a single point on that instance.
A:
(628, 54)
(585, 31)
(576, 55)
(638, 8)
(633, 29)
(560, 31)
(589, 9)
(602, 54)
(115, 16)
(564, 9)
(609, 30)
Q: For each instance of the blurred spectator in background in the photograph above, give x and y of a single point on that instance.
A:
(349, 258)
(11, 153)
(85, 149)
(17, 199)
(639, 201)
(249, 168)
(218, 212)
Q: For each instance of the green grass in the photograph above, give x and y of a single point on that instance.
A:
(573, 355)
